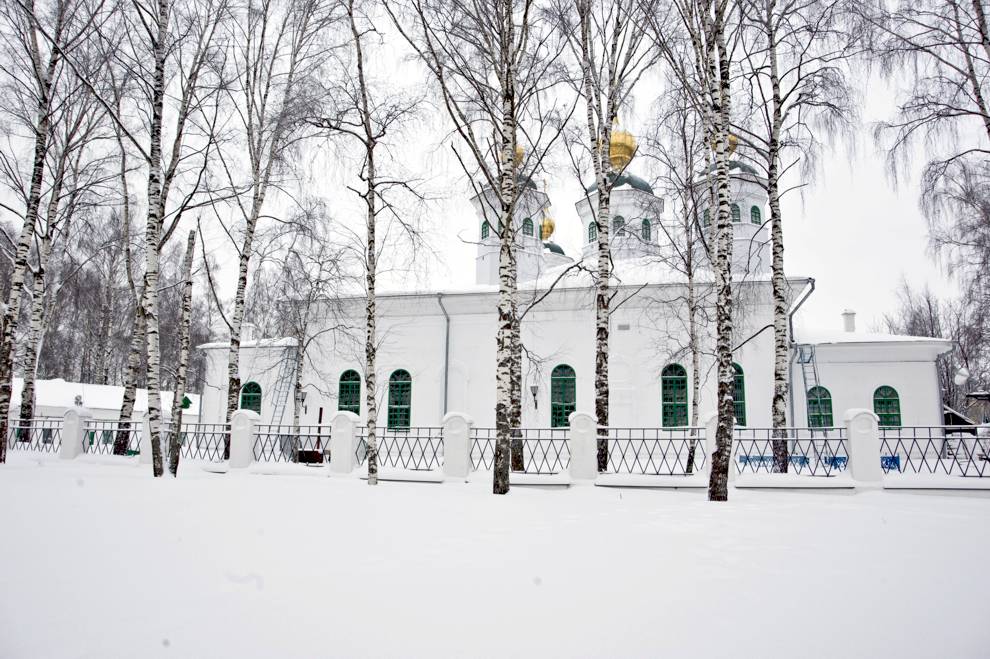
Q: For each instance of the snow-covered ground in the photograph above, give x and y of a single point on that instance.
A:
(104, 561)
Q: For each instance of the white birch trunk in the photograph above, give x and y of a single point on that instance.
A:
(175, 427)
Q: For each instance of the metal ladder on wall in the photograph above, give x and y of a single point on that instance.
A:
(284, 384)
(809, 374)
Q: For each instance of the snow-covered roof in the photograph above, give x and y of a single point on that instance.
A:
(62, 394)
(820, 337)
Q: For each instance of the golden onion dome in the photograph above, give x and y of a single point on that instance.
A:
(519, 155)
(733, 144)
(621, 149)
(546, 228)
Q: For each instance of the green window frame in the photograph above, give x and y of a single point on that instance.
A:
(819, 408)
(399, 400)
(755, 216)
(887, 406)
(707, 221)
(647, 231)
(736, 213)
(673, 396)
(349, 392)
(251, 397)
(563, 395)
(619, 226)
(592, 232)
(527, 227)
(486, 229)
(739, 395)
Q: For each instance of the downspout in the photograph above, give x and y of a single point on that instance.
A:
(790, 330)
(446, 349)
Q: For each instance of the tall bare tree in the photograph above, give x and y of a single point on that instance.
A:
(279, 48)
(178, 399)
(35, 42)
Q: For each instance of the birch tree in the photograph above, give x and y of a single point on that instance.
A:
(175, 424)
(701, 28)
(35, 41)
(278, 48)
(793, 62)
(492, 65)
(371, 117)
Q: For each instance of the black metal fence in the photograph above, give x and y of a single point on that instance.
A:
(938, 450)
(284, 443)
(418, 448)
(101, 435)
(810, 451)
(656, 451)
(198, 441)
(42, 434)
(544, 450)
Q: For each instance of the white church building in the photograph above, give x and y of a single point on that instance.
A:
(437, 351)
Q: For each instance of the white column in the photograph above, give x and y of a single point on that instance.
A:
(711, 447)
(144, 445)
(343, 442)
(457, 445)
(242, 425)
(74, 432)
(863, 444)
(583, 439)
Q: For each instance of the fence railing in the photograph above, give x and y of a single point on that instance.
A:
(198, 441)
(101, 435)
(418, 448)
(809, 451)
(42, 434)
(938, 450)
(656, 451)
(544, 450)
(282, 443)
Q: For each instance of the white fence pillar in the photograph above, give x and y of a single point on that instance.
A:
(242, 426)
(74, 432)
(863, 444)
(583, 440)
(343, 442)
(457, 445)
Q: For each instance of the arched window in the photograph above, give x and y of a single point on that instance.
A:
(708, 218)
(527, 227)
(251, 397)
(563, 395)
(619, 226)
(819, 408)
(755, 216)
(647, 231)
(399, 400)
(592, 232)
(739, 395)
(673, 396)
(887, 406)
(349, 392)
(736, 215)
(486, 229)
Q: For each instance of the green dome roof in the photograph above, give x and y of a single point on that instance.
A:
(554, 247)
(743, 167)
(624, 179)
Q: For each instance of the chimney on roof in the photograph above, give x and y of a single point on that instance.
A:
(849, 320)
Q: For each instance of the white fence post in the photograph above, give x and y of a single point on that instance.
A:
(343, 442)
(457, 445)
(242, 426)
(583, 439)
(863, 444)
(74, 432)
(144, 445)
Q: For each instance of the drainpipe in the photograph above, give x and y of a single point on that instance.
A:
(809, 289)
(446, 349)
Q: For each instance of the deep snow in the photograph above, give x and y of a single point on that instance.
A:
(104, 561)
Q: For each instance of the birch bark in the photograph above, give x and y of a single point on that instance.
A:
(175, 426)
